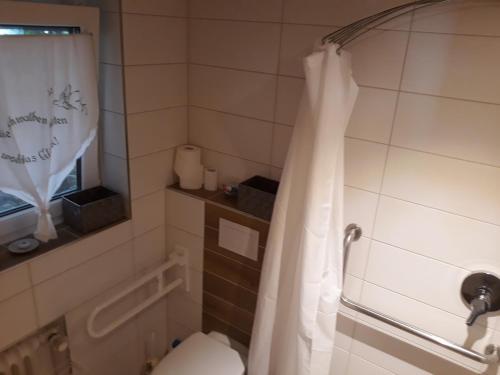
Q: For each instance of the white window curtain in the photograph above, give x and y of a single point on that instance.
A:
(301, 280)
(48, 116)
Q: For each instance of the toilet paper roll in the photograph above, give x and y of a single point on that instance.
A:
(210, 179)
(188, 167)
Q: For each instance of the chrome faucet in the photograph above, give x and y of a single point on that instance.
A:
(481, 291)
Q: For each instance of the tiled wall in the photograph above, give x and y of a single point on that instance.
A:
(73, 279)
(422, 153)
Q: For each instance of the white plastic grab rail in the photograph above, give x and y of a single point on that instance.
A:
(178, 258)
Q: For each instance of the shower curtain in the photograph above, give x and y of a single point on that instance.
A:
(301, 280)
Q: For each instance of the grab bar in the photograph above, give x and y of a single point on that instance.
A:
(353, 233)
(179, 257)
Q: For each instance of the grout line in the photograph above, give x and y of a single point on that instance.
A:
(230, 282)
(153, 64)
(157, 110)
(274, 75)
(231, 114)
(155, 15)
(228, 303)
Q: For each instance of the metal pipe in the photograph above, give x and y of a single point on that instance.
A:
(352, 234)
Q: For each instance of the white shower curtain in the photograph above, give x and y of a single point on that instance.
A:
(301, 278)
(48, 115)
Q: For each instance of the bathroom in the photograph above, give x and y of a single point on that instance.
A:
(421, 155)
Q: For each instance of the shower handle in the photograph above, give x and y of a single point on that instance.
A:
(481, 291)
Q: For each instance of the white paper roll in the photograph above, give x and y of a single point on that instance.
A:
(188, 167)
(210, 179)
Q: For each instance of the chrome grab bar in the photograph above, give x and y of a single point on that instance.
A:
(353, 233)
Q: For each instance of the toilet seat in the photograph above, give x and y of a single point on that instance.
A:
(200, 354)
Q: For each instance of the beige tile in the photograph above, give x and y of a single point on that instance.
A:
(364, 164)
(358, 366)
(153, 322)
(155, 131)
(193, 243)
(151, 173)
(13, 281)
(62, 259)
(468, 75)
(452, 185)
(149, 249)
(184, 311)
(460, 17)
(238, 136)
(156, 7)
(343, 332)
(148, 212)
(154, 39)
(297, 42)
(154, 87)
(461, 129)
(404, 276)
(111, 88)
(113, 132)
(240, 45)
(18, 318)
(360, 207)
(378, 58)
(338, 13)
(257, 10)
(104, 5)
(453, 239)
(358, 257)
(288, 99)
(373, 115)
(341, 360)
(62, 293)
(115, 174)
(282, 136)
(110, 42)
(185, 212)
(242, 93)
(231, 169)
(276, 173)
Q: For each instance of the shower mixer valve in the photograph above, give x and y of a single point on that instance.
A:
(481, 291)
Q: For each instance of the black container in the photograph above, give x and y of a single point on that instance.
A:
(257, 195)
(88, 210)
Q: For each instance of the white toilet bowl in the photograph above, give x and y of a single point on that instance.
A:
(201, 354)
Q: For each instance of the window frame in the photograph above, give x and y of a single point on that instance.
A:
(23, 222)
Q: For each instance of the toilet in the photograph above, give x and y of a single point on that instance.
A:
(202, 354)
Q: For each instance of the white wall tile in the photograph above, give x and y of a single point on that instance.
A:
(364, 164)
(358, 257)
(62, 293)
(154, 87)
(185, 212)
(231, 169)
(149, 249)
(156, 7)
(18, 318)
(193, 243)
(13, 281)
(257, 10)
(155, 131)
(340, 361)
(153, 322)
(415, 276)
(452, 185)
(184, 311)
(111, 88)
(460, 17)
(243, 93)
(439, 64)
(243, 137)
(114, 174)
(358, 366)
(453, 239)
(297, 42)
(373, 114)
(337, 12)
(110, 38)
(288, 99)
(154, 39)
(282, 136)
(359, 208)
(240, 45)
(143, 181)
(378, 58)
(148, 212)
(75, 253)
(457, 128)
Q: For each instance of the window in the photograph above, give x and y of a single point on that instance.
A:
(8, 203)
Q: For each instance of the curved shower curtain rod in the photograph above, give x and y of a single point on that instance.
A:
(351, 32)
